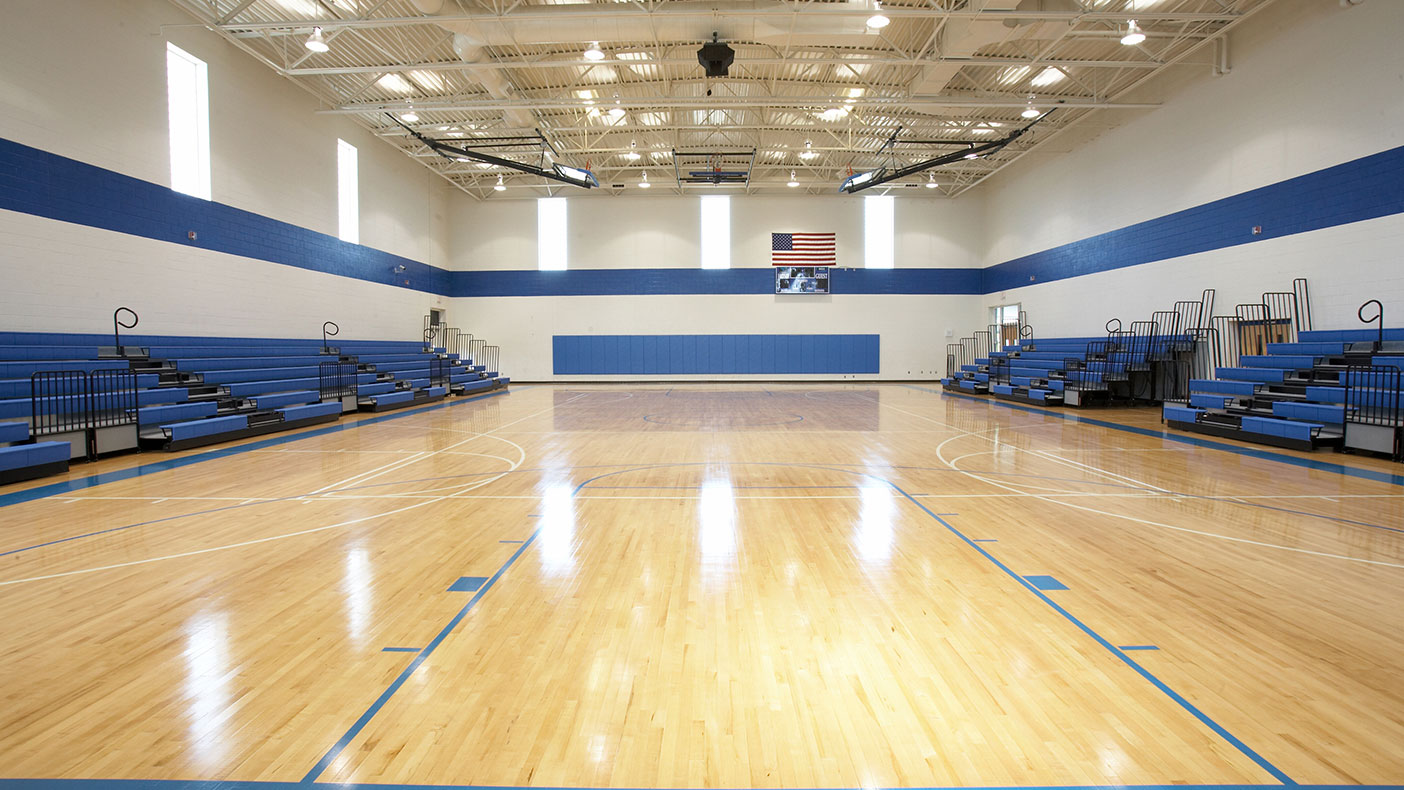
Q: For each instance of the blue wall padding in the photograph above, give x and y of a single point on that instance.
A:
(698, 355)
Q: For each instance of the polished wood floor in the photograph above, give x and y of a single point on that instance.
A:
(719, 586)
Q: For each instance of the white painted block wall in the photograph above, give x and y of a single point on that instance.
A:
(663, 231)
(93, 88)
(1312, 85)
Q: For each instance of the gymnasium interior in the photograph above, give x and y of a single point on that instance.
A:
(674, 394)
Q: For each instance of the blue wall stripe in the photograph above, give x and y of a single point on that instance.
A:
(1366, 188)
(40, 183)
(593, 355)
(48, 185)
(676, 281)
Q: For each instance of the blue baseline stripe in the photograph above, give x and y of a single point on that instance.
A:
(404, 675)
(36, 182)
(1142, 671)
(79, 484)
(1305, 463)
(245, 784)
(399, 649)
(1137, 647)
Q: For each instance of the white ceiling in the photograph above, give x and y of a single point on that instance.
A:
(944, 72)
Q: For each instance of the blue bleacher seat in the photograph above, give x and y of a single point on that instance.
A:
(181, 431)
(1224, 387)
(14, 432)
(295, 398)
(1176, 413)
(1291, 361)
(1310, 412)
(41, 457)
(291, 413)
(161, 415)
(1209, 400)
(393, 397)
(1326, 394)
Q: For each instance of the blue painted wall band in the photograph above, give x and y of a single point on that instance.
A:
(48, 185)
(36, 182)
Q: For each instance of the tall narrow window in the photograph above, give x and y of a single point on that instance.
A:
(878, 232)
(716, 232)
(348, 193)
(188, 99)
(551, 234)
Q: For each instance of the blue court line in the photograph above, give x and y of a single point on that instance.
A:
(1305, 463)
(468, 584)
(1137, 647)
(245, 784)
(404, 675)
(399, 650)
(986, 540)
(79, 484)
(1045, 583)
(222, 509)
(509, 541)
(1142, 671)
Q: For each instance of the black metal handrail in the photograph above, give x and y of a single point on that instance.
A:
(329, 328)
(1378, 319)
(1299, 287)
(336, 380)
(118, 325)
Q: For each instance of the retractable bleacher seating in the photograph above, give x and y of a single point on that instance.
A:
(23, 459)
(1301, 395)
(184, 392)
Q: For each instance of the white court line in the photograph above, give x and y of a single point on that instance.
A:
(1141, 495)
(1109, 475)
(468, 487)
(357, 477)
(940, 453)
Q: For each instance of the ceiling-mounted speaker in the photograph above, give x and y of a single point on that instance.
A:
(716, 58)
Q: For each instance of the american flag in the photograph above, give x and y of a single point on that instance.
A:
(803, 249)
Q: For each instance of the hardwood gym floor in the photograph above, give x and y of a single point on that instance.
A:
(722, 586)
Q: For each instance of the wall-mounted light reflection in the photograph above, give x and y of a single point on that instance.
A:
(556, 540)
(356, 592)
(716, 511)
(207, 684)
(873, 537)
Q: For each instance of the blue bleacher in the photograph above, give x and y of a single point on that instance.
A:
(157, 415)
(11, 432)
(194, 429)
(28, 461)
(294, 398)
(197, 390)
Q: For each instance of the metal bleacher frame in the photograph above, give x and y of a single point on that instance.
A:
(96, 412)
(1372, 421)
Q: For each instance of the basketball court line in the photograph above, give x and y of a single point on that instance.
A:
(1264, 455)
(940, 453)
(1142, 671)
(359, 725)
(241, 544)
(78, 484)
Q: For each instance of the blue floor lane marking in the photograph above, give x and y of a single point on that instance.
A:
(360, 723)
